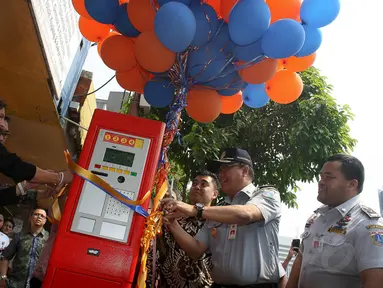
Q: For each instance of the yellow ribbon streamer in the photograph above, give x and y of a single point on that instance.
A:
(153, 228)
(101, 183)
(56, 212)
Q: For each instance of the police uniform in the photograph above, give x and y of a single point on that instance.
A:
(340, 243)
(248, 254)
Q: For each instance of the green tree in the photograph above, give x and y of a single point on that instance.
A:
(288, 143)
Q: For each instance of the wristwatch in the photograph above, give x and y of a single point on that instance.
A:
(199, 207)
(3, 277)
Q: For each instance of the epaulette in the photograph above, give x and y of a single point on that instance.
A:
(267, 186)
(370, 213)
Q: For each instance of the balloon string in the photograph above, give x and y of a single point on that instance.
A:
(154, 4)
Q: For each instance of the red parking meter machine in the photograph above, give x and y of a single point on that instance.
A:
(98, 240)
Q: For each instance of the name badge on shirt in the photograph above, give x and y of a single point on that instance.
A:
(318, 244)
(232, 231)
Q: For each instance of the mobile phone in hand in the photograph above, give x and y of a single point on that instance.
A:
(296, 243)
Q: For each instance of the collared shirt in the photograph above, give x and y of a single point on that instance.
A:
(340, 243)
(26, 248)
(177, 270)
(252, 256)
(42, 263)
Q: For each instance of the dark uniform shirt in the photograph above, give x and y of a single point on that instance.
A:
(26, 249)
(14, 167)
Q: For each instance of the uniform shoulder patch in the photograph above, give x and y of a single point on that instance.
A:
(369, 212)
(268, 194)
(377, 238)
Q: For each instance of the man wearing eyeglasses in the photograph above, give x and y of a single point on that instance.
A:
(241, 234)
(26, 248)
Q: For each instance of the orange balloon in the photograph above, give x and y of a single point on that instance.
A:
(298, 64)
(134, 79)
(226, 7)
(203, 105)
(285, 87)
(79, 6)
(93, 30)
(284, 9)
(141, 14)
(99, 44)
(280, 65)
(216, 4)
(231, 104)
(260, 72)
(117, 52)
(151, 54)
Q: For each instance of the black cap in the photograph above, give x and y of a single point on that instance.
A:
(231, 156)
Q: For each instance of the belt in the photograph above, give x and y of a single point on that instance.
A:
(261, 285)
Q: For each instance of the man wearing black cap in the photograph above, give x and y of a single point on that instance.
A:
(242, 234)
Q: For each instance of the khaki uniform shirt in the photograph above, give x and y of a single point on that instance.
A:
(251, 257)
(340, 243)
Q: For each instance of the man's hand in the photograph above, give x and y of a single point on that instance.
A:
(292, 253)
(175, 209)
(68, 177)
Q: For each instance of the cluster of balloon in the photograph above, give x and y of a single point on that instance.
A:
(216, 54)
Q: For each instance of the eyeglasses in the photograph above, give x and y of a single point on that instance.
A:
(39, 215)
(5, 133)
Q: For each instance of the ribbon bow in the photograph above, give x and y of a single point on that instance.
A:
(153, 228)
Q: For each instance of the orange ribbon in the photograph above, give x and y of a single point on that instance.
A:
(153, 228)
(56, 212)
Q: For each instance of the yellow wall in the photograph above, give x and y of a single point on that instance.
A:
(36, 132)
(86, 112)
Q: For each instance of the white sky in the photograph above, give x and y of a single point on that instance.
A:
(350, 57)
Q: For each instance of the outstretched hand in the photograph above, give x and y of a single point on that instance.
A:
(176, 209)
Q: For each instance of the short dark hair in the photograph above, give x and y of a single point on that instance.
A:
(3, 104)
(351, 168)
(213, 176)
(10, 220)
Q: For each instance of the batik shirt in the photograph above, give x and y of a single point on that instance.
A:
(26, 248)
(175, 268)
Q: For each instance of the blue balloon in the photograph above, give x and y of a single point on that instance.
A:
(248, 21)
(207, 23)
(123, 24)
(313, 40)
(255, 96)
(283, 39)
(233, 88)
(221, 41)
(205, 72)
(159, 92)
(220, 48)
(163, 2)
(103, 11)
(175, 26)
(319, 13)
(227, 77)
(249, 52)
